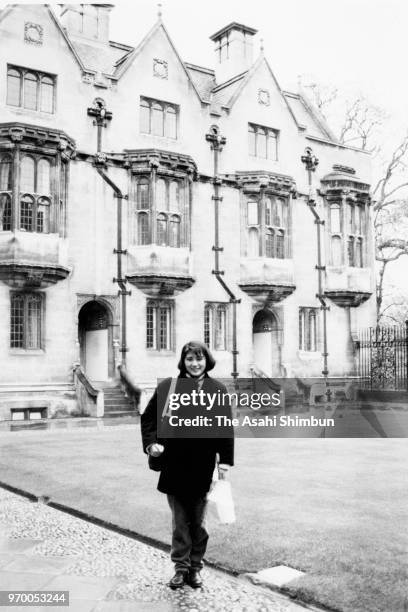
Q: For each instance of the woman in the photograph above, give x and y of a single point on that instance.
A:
(188, 463)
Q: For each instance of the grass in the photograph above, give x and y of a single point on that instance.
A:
(334, 508)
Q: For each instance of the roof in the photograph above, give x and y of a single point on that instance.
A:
(203, 79)
(224, 93)
(101, 58)
(307, 117)
(233, 26)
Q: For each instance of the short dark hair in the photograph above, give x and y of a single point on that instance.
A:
(199, 350)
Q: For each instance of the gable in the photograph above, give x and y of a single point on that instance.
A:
(43, 53)
(261, 100)
(157, 45)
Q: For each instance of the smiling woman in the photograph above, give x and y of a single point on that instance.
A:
(187, 464)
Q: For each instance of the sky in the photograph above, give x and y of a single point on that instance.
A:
(357, 45)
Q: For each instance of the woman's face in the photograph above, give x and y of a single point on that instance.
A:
(194, 365)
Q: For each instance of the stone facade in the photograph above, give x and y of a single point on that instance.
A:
(155, 112)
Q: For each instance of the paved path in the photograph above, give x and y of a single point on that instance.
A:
(44, 549)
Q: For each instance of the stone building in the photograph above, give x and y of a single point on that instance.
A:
(218, 232)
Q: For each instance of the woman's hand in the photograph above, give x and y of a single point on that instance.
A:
(223, 471)
(155, 450)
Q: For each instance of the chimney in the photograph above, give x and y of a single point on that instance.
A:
(87, 21)
(233, 48)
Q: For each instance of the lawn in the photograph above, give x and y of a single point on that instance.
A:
(334, 508)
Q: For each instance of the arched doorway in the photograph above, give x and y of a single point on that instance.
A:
(265, 336)
(94, 331)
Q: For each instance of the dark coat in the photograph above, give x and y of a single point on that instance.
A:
(188, 463)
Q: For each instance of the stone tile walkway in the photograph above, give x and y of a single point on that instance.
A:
(44, 549)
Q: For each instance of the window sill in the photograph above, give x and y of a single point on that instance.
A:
(309, 355)
(27, 352)
(18, 110)
(160, 352)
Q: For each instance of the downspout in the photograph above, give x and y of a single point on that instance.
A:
(101, 115)
(217, 142)
(311, 162)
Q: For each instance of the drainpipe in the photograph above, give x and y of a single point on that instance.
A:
(311, 162)
(101, 116)
(217, 142)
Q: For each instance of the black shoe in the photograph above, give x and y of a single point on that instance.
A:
(194, 579)
(178, 580)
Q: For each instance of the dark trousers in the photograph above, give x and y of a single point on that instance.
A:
(189, 541)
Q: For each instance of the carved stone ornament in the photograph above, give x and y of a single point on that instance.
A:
(33, 33)
(160, 69)
(347, 298)
(111, 301)
(264, 97)
(156, 285)
(267, 293)
(38, 276)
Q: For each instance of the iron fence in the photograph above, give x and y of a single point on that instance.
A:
(383, 357)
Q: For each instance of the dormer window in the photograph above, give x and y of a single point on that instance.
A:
(30, 89)
(158, 118)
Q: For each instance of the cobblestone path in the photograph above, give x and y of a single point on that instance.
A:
(45, 549)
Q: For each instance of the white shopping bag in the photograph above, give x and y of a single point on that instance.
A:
(221, 495)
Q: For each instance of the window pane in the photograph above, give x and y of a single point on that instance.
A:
(144, 117)
(171, 122)
(335, 226)
(26, 213)
(272, 146)
(43, 215)
(143, 195)
(27, 175)
(174, 196)
(164, 330)
(175, 231)
(13, 87)
(252, 208)
(253, 243)
(43, 177)
(161, 199)
(162, 230)
(6, 174)
(157, 120)
(350, 216)
(301, 329)
(220, 329)
(280, 245)
(336, 254)
(17, 322)
(278, 213)
(151, 327)
(285, 213)
(359, 219)
(359, 253)
(261, 149)
(33, 322)
(269, 246)
(207, 325)
(350, 251)
(142, 229)
(312, 330)
(30, 91)
(268, 211)
(5, 212)
(251, 140)
(47, 95)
